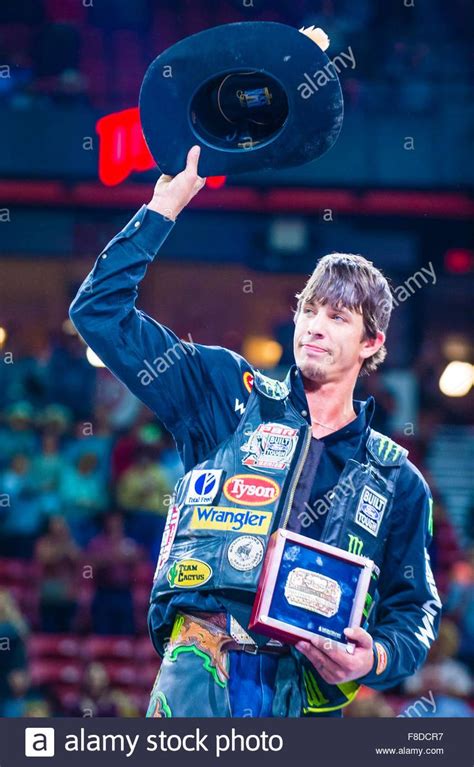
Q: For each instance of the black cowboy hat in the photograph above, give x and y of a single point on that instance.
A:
(253, 95)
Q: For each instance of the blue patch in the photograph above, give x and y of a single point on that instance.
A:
(203, 486)
(370, 510)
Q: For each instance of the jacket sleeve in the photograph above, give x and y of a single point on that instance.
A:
(405, 621)
(192, 388)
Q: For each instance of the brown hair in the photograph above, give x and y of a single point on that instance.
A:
(351, 281)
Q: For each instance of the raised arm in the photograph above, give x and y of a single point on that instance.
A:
(173, 377)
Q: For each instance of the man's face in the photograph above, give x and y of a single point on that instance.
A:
(328, 342)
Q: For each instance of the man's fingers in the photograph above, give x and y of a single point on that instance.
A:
(199, 183)
(340, 657)
(193, 159)
(334, 664)
(321, 661)
(192, 169)
(329, 670)
(361, 637)
(330, 649)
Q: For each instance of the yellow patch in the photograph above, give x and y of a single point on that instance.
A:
(189, 573)
(231, 520)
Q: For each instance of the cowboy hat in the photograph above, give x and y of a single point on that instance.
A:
(253, 95)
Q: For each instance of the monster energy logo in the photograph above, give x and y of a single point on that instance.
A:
(355, 544)
(430, 516)
(315, 697)
(386, 446)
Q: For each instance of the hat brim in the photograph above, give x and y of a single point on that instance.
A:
(315, 112)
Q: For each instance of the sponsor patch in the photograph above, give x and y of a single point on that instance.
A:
(203, 486)
(270, 446)
(355, 545)
(250, 490)
(370, 510)
(245, 553)
(233, 520)
(189, 573)
(248, 380)
(276, 389)
(382, 658)
(169, 533)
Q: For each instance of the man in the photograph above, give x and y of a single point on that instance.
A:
(301, 455)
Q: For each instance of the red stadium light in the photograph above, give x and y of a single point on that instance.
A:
(459, 260)
(215, 182)
(122, 149)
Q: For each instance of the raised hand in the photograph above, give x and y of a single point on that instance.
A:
(172, 193)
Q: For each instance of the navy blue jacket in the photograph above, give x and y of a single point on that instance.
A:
(199, 392)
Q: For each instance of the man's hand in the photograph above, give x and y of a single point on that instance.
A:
(335, 664)
(172, 193)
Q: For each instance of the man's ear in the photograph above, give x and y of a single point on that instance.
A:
(371, 345)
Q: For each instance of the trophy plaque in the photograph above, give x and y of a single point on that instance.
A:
(307, 587)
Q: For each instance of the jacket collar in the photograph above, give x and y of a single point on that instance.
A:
(364, 409)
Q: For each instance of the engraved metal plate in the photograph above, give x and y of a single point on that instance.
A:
(313, 591)
(238, 633)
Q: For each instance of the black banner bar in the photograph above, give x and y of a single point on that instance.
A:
(188, 742)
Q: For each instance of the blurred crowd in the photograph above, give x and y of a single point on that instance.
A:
(86, 474)
(73, 51)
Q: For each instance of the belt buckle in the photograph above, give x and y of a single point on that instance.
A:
(251, 649)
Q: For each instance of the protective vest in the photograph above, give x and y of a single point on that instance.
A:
(258, 480)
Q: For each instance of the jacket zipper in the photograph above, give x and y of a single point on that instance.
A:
(298, 470)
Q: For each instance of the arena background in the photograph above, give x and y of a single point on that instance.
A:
(78, 453)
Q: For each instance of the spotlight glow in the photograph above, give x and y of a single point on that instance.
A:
(93, 359)
(457, 379)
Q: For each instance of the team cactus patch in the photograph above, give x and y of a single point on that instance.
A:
(250, 490)
(189, 573)
(370, 510)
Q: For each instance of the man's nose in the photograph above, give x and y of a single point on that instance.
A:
(316, 325)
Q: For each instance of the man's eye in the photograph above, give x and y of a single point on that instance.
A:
(308, 310)
(338, 317)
